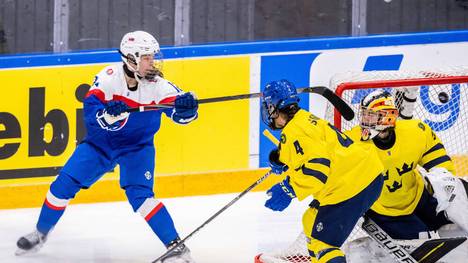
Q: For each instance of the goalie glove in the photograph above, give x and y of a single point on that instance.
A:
(441, 184)
(405, 102)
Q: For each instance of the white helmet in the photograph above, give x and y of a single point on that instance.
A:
(136, 44)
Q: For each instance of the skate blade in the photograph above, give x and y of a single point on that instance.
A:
(22, 252)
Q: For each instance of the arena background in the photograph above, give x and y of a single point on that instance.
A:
(223, 151)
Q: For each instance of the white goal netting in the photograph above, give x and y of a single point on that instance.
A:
(441, 102)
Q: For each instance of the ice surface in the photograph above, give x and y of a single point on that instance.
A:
(111, 232)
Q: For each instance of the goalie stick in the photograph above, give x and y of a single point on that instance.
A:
(429, 252)
(334, 99)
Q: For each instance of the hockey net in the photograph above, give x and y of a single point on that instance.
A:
(441, 102)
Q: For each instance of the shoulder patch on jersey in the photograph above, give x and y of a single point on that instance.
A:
(109, 71)
(283, 138)
(421, 126)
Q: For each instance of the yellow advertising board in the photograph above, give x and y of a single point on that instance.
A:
(42, 117)
(41, 121)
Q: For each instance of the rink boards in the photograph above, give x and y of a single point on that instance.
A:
(41, 109)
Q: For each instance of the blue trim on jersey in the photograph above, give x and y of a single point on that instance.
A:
(436, 162)
(174, 86)
(323, 161)
(434, 148)
(239, 48)
(317, 174)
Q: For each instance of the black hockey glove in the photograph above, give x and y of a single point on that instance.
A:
(277, 167)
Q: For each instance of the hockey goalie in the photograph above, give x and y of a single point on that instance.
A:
(415, 204)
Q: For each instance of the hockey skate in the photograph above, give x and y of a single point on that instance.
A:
(179, 255)
(30, 243)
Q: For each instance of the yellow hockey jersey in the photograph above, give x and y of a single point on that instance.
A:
(415, 144)
(324, 162)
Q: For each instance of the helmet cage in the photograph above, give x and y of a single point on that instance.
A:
(270, 112)
(377, 120)
(376, 114)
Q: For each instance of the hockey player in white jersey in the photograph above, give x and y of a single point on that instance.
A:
(116, 137)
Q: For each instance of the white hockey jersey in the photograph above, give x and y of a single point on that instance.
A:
(139, 127)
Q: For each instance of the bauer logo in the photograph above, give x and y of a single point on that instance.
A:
(384, 240)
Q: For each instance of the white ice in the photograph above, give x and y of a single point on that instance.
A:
(111, 232)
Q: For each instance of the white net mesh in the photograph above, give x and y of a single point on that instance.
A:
(441, 101)
(296, 252)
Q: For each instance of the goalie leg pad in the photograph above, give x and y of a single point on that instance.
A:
(458, 209)
(451, 194)
(426, 210)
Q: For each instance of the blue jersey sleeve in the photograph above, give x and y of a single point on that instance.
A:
(92, 105)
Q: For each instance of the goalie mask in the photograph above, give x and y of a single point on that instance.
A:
(377, 113)
(276, 96)
(136, 44)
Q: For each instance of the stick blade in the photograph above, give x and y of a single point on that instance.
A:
(433, 250)
(334, 99)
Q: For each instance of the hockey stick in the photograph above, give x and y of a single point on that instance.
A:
(334, 99)
(428, 252)
(273, 140)
(271, 137)
(435, 249)
(386, 242)
(214, 216)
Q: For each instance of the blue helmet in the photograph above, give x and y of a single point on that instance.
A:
(276, 96)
